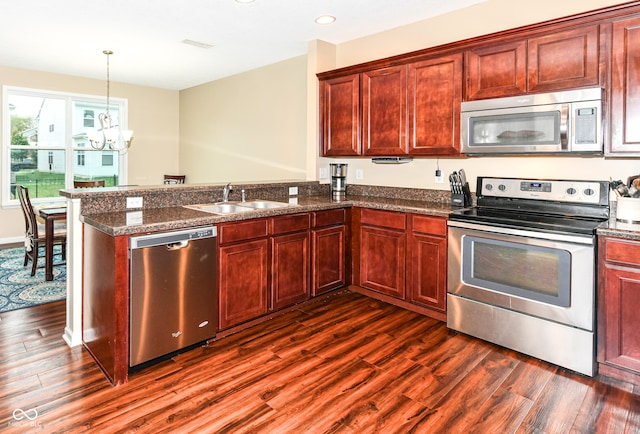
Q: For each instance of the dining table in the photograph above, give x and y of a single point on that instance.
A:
(50, 216)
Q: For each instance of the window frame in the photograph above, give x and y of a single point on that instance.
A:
(70, 154)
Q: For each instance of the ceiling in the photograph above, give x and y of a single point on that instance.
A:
(146, 36)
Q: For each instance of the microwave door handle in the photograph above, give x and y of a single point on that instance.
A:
(564, 127)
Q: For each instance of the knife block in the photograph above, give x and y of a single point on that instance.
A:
(462, 199)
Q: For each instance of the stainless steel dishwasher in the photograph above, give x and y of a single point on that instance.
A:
(173, 297)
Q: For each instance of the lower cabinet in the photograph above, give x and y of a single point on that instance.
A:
(263, 266)
(382, 251)
(618, 301)
(289, 260)
(427, 265)
(242, 272)
(328, 250)
(403, 258)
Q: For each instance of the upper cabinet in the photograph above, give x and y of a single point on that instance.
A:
(563, 60)
(410, 104)
(408, 109)
(625, 88)
(384, 111)
(340, 116)
(435, 95)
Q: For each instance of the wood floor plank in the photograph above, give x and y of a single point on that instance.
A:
(344, 364)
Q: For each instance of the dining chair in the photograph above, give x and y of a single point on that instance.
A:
(87, 184)
(33, 240)
(174, 179)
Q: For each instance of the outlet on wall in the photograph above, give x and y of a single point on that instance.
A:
(134, 202)
(359, 174)
(293, 191)
(324, 173)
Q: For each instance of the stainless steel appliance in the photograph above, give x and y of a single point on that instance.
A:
(521, 267)
(338, 180)
(549, 123)
(173, 298)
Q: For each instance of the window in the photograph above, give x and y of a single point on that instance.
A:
(107, 158)
(88, 118)
(45, 146)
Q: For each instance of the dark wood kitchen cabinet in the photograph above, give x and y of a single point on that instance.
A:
(242, 271)
(384, 111)
(382, 249)
(105, 302)
(409, 109)
(328, 250)
(340, 116)
(559, 60)
(625, 88)
(435, 94)
(618, 301)
(427, 263)
(289, 239)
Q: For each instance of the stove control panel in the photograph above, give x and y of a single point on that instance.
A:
(590, 192)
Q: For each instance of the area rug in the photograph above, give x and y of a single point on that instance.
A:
(18, 289)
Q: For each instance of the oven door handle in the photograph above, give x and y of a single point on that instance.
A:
(564, 127)
(568, 238)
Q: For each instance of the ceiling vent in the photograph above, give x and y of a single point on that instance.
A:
(197, 44)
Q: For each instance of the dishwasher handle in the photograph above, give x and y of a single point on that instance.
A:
(179, 238)
(177, 246)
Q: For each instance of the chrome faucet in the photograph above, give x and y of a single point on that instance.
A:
(225, 192)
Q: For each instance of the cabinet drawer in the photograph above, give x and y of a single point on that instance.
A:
(386, 219)
(240, 231)
(623, 251)
(430, 225)
(328, 218)
(288, 223)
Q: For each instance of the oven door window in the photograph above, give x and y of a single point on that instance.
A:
(533, 128)
(532, 272)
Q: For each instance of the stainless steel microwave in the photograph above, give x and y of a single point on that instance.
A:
(546, 123)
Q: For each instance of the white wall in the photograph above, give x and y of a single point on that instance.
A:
(249, 127)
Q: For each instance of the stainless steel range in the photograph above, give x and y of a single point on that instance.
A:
(521, 267)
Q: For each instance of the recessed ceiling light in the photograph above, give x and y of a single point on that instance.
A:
(325, 19)
(245, 1)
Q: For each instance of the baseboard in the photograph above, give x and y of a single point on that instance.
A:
(10, 242)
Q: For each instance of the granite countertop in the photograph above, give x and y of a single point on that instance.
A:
(178, 217)
(614, 228)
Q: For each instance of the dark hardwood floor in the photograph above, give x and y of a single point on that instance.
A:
(346, 364)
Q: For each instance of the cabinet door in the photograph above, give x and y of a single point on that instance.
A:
(435, 93)
(382, 260)
(242, 281)
(328, 259)
(564, 60)
(625, 88)
(428, 281)
(427, 263)
(340, 116)
(289, 269)
(620, 309)
(384, 111)
(496, 71)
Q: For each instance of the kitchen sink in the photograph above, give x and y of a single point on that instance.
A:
(238, 207)
(220, 208)
(266, 204)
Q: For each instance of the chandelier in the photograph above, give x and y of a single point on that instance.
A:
(109, 136)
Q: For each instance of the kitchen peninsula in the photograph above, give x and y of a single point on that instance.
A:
(325, 229)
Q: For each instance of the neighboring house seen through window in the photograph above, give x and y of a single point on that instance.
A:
(45, 145)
